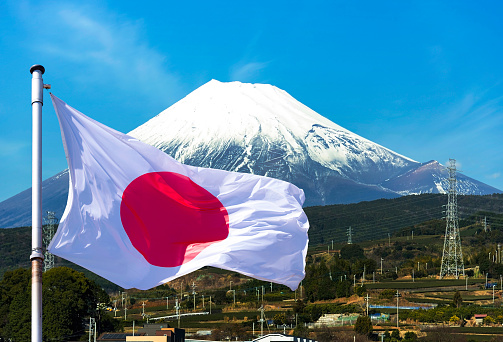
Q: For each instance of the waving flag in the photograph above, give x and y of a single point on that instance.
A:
(139, 218)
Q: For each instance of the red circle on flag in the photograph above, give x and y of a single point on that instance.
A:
(170, 219)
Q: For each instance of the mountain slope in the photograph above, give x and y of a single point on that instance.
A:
(260, 129)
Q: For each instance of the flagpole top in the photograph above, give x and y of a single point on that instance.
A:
(37, 67)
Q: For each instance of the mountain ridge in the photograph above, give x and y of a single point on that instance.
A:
(261, 129)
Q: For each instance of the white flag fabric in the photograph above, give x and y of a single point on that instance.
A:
(139, 218)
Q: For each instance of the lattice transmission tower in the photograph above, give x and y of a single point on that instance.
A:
(48, 233)
(350, 236)
(452, 257)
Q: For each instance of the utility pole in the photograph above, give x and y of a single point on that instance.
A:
(167, 303)
(363, 275)
(210, 305)
(397, 296)
(92, 325)
(143, 310)
(452, 257)
(271, 286)
(261, 320)
(177, 308)
(367, 301)
(194, 294)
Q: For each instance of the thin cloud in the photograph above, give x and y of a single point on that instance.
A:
(112, 49)
(11, 148)
(458, 164)
(247, 72)
(249, 69)
(495, 175)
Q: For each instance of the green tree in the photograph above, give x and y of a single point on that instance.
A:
(410, 336)
(395, 335)
(387, 294)
(301, 331)
(19, 317)
(454, 319)
(352, 251)
(14, 305)
(457, 300)
(279, 318)
(363, 325)
(68, 297)
(360, 290)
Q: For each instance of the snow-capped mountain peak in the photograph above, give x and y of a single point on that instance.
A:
(260, 129)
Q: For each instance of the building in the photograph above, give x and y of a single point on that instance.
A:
(335, 320)
(281, 338)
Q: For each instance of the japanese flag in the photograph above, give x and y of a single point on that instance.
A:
(139, 218)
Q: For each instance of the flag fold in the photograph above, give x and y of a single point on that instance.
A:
(139, 218)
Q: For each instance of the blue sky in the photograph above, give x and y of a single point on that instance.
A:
(423, 78)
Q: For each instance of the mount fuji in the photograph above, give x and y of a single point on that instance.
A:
(261, 129)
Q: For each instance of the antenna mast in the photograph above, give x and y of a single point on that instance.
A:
(452, 258)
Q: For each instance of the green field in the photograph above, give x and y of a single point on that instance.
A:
(426, 283)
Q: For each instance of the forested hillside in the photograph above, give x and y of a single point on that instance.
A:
(368, 221)
(376, 219)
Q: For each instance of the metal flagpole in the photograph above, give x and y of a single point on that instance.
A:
(37, 254)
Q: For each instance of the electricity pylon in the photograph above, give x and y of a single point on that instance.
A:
(452, 257)
(350, 236)
(48, 233)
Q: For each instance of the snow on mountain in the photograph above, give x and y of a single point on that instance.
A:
(260, 129)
